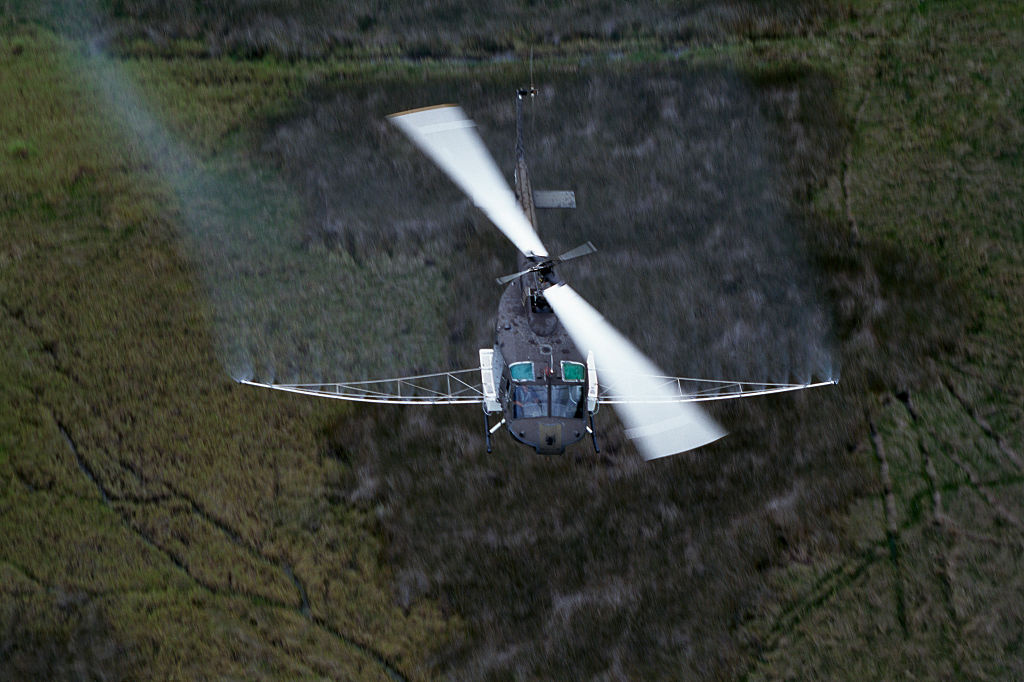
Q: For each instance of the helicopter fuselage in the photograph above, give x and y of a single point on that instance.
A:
(544, 381)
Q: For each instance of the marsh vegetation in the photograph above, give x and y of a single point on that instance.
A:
(854, 171)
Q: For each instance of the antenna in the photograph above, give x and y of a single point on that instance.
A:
(520, 94)
(532, 89)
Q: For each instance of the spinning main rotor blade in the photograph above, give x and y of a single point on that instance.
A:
(447, 136)
(659, 427)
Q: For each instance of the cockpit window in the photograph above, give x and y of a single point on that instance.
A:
(521, 371)
(565, 401)
(530, 401)
(572, 371)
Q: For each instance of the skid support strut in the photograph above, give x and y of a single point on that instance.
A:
(593, 434)
(488, 429)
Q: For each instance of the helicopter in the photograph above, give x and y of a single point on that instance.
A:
(555, 358)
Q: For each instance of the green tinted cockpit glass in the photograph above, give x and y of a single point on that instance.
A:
(521, 371)
(573, 371)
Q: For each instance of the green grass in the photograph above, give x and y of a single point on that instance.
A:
(934, 171)
(111, 383)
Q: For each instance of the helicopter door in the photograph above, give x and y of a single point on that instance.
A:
(591, 383)
(489, 370)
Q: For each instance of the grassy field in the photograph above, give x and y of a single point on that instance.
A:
(933, 174)
(157, 521)
(854, 173)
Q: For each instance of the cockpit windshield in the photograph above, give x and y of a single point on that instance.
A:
(565, 401)
(531, 400)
